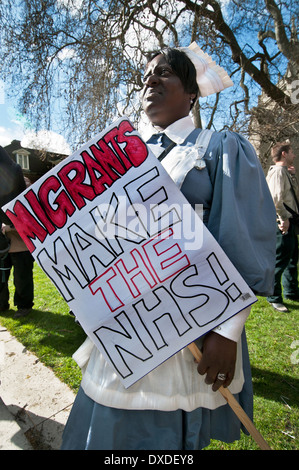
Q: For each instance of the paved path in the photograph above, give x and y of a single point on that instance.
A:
(34, 403)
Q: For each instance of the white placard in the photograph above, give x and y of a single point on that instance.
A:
(132, 259)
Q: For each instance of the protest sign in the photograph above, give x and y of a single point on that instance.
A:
(129, 255)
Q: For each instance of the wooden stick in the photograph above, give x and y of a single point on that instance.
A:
(238, 410)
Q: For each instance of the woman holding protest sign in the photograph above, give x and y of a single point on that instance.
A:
(176, 406)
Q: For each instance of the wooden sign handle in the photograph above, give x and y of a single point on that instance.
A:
(238, 410)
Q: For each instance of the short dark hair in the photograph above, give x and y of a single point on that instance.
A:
(182, 67)
(278, 148)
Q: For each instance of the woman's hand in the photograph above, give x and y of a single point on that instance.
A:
(218, 357)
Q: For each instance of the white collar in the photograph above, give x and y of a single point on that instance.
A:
(178, 131)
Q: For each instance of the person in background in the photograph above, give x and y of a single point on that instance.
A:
(282, 182)
(176, 406)
(12, 183)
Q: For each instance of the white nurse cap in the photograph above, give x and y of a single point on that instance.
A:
(210, 77)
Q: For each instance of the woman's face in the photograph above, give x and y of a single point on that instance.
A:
(164, 99)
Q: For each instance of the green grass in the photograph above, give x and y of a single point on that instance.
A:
(49, 331)
(53, 335)
(271, 336)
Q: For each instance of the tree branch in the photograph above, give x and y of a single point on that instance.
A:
(291, 51)
(260, 77)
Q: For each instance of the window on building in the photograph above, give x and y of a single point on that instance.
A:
(23, 161)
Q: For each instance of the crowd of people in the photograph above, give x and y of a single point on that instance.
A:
(250, 218)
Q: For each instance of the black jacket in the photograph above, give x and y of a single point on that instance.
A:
(12, 181)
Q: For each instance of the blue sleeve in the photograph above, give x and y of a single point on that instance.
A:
(242, 214)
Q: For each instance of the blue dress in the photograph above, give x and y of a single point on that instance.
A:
(245, 228)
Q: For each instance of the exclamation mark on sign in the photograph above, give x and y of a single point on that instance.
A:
(217, 269)
(232, 290)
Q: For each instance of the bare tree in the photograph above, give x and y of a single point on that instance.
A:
(77, 64)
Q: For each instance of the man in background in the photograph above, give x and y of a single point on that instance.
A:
(283, 186)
